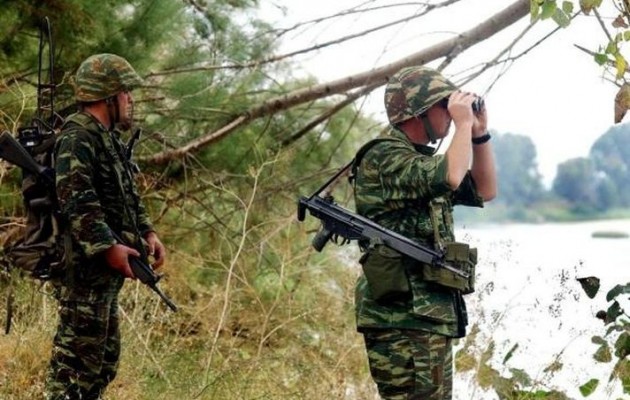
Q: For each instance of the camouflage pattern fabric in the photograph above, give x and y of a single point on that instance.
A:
(86, 345)
(104, 75)
(90, 197)
(410, 364)
(412, 91)
(396, 185)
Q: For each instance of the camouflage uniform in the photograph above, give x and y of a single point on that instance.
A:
(403, 187)
(94, 182)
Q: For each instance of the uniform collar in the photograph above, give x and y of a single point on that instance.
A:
(420, 148)
(91, 120)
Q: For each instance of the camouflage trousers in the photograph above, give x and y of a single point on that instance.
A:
(410, 364)
(86, 346)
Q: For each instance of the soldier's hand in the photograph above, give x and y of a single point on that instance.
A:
(117, 257)
(156, 249)
(460, 107)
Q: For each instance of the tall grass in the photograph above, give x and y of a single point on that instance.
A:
(261, 315)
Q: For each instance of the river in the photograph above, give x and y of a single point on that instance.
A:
(527, 293)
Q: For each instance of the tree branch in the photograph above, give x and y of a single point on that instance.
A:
(379, 76)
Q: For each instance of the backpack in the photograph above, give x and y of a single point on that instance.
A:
(39, 250)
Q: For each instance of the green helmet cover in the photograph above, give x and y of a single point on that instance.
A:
(413, 90)
(104, 75)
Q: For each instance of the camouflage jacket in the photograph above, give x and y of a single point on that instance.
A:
(89, 175)
(396, 184)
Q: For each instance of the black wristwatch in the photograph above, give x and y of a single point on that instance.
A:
(481, 139)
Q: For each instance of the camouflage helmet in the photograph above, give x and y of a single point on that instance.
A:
(413, 90)
(104, 75)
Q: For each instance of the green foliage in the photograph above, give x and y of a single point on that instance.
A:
(590, 285)
(589, 387)
(545, 9)
(576, 181)
(619, 323)
(517, 170)
(611, 155)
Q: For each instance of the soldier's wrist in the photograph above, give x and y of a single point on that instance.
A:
(481, 139)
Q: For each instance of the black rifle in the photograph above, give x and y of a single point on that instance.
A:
(13, 152)
(145, 274)
(337, 221)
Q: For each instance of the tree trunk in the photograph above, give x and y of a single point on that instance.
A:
(378, 76)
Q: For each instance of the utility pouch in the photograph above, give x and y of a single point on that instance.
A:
(460, 256)
(432, 303)
(385, 273)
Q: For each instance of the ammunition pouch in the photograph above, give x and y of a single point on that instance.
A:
(385, 272)
(460, 256)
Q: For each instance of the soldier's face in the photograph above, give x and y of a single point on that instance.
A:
(440, 120)
(125, 111)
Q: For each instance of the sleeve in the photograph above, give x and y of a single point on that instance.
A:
(466, 194)
(78, 199)
(144, 222)
(404, 174)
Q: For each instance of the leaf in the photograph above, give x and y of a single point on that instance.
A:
(567, 7)
(603, 354)
(622, 345)
(520, 376)
(621, 64)
(548, 9)
(534, 9)
(598, 340)
(590, 285)
(587, 5)
(613, 312)
(561, 18)
(624, 374)
(619, 22)
(626, 35)
(612, 48)
(619, 289)
(589, 387)
(601, 58)
(622, 104)
(510, 353)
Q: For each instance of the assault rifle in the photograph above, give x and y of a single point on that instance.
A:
(337, 221)
(144, 273)
(13, 152)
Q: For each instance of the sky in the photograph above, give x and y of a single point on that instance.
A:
(555, 94)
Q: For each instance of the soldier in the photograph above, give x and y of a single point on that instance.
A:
(97, 196)
(409, 312)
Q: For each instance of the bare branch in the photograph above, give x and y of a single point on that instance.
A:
(357, 10)
(257, 63)
(378, 76)
(601, 23)
(329, 113)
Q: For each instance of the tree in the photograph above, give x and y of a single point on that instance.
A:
(363, 82)
(517, 170)
(577, 182)
(611, 156)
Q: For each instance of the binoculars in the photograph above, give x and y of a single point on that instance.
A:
(477, 105)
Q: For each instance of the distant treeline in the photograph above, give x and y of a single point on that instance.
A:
(584, 187)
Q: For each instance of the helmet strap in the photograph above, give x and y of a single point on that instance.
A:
(428, 128)
(113, 111)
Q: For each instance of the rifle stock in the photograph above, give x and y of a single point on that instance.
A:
(341, 222)
(12, 151)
